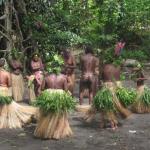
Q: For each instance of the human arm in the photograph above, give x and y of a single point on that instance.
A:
(43, 85)
(9, 80)
(65, 84)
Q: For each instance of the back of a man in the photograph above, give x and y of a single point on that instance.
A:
(88, 64)
(54, 81)
(111, 73)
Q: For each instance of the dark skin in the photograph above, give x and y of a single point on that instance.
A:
(36, 65)
(140, 78)
(16, 66)
(69, 66)
(53, 81)
(5, 79)
(88, 65)
(111, 73)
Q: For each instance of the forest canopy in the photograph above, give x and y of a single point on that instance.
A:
(47, 26)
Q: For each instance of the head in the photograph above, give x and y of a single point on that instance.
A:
(65, 53)
(88, 50)
(121, 40)
(2, 62)
(35, 57)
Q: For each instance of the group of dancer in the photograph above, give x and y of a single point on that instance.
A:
(54, 91)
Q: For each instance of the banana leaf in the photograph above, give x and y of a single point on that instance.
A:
(126, 96)
(5, 100)
(103, 101)
(145, 97)
(55, 101)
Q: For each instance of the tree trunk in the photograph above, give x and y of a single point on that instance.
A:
(8, 24)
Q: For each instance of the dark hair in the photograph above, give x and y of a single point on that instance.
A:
(2, 62)
(66, 53)
(34, 54)
(88, 49)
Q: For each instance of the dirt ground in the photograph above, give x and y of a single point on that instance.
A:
(133, 134)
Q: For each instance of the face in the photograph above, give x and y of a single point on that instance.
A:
(35, 58)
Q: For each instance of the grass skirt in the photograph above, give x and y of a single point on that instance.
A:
(139, 106)
(118, 106)
(53, 125)
(110, 115)
(32, 96)
(14, 115)
(17, 87)
(82, 108)
(31, 88)
(5, 91)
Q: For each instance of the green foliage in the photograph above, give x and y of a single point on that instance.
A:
(15, 53)
(57, 101)
(109, 57)
(5, 100)
(101, 23)
(122, 76)
(103, 101)
(135, 54)
(145, 98)
(126, 96)
(55, 64)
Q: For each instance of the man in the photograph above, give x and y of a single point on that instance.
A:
(12, 114)
(141, 104)
(5, 80)
(54, 124)
(88, 65)
(54, 78)
(69, 67)
(54, 81)
(17, 79)
(111, 77)
(111, 73)
(37, 70)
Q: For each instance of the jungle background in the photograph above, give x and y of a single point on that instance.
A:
(48, 26)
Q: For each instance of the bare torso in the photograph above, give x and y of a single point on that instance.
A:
(88, 64)
(5, 78)
(54, 81)
(111, 73)
(36, 65)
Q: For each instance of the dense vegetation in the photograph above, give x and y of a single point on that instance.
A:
(49, 25)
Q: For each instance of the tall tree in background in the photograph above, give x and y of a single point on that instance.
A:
(45, 26)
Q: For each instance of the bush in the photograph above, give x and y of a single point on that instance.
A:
(135, 54)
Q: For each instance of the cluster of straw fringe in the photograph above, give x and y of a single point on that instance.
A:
(53, 126)
(14, 115)
(123, 111)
